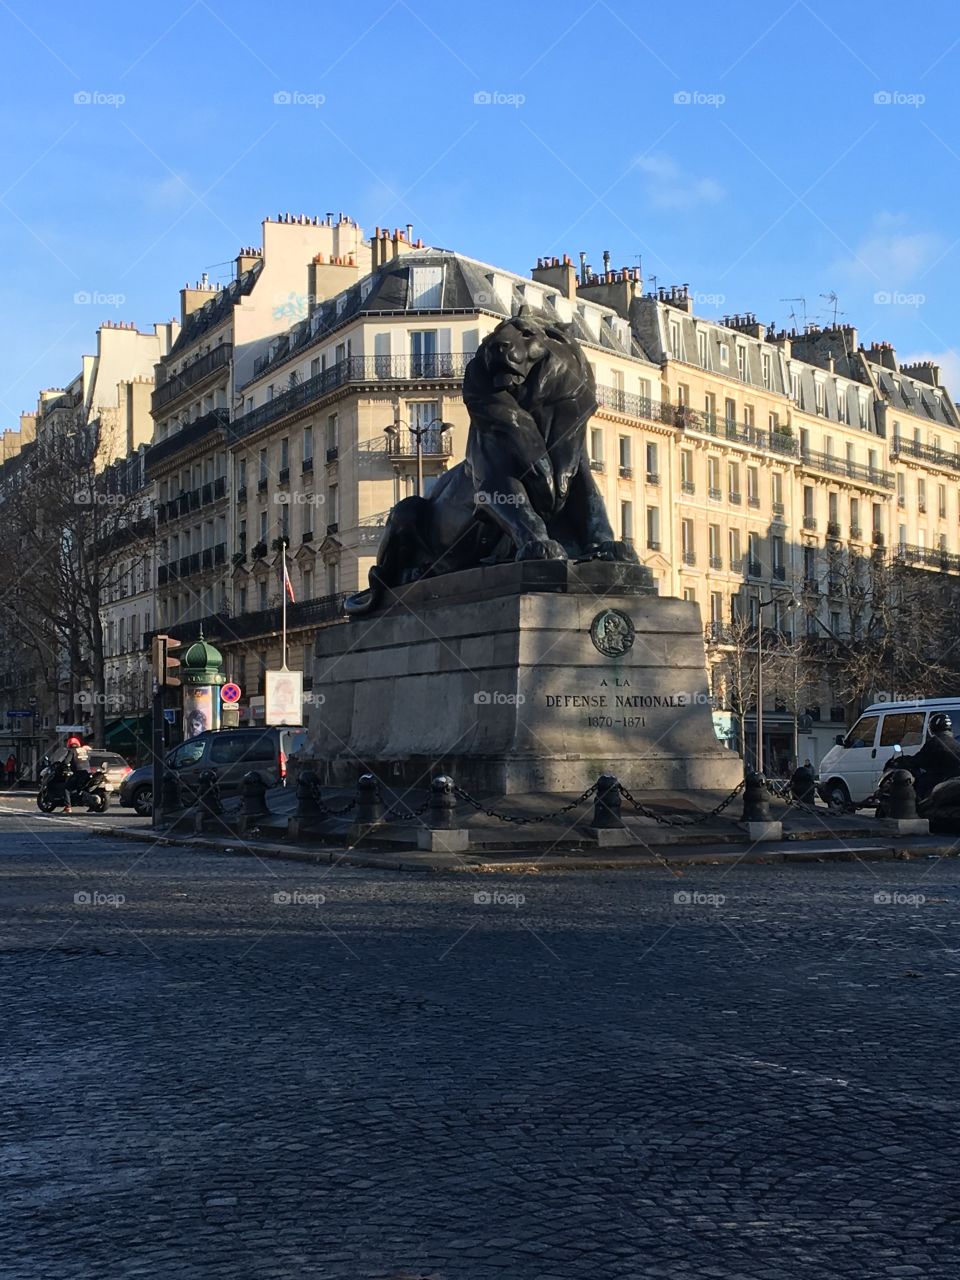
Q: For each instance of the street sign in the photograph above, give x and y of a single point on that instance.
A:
(21, 713)
(170, 715)
(230, 717)
(71, 728)
(230, 693)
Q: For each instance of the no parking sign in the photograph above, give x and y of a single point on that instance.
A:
(230, 693)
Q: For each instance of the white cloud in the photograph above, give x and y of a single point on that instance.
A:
(672, 188)
(892, 254)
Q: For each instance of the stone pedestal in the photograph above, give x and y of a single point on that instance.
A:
(907, 826)
(520, 678)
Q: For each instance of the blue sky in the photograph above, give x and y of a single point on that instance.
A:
(778, 172)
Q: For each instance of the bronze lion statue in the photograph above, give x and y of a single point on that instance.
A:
(525, 490)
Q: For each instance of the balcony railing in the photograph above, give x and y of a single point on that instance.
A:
(715, 494)
(856, 533)
(933, 557)
(687, 486)
(778, 508)
(736, 498)
(810, 523)
(687, 419)
(195, 372)
(927, 452)
(690, 557)
(755, 569)
(626, 473)
(833, 528)
(448, 367)
(653, 477)
(189, 435)
(433, 444)
(852, 470)
(716, 562)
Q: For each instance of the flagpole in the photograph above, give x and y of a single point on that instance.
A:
(283, 592)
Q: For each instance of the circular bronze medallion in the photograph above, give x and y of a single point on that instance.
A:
(612, 633)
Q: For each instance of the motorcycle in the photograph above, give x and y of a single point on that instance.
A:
(53, 783)
(933, 793)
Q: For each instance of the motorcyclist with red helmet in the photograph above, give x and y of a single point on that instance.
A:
(76, 773)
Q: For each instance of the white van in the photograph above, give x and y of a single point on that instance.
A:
(850, 771)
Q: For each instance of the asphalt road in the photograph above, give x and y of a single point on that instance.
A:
(218, 1067)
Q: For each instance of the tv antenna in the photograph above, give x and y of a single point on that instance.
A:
(832, 298)
(793, 313)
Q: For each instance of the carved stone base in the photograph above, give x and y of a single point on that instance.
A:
(521, 678)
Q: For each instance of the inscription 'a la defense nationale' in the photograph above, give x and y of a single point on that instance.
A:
(614, 700)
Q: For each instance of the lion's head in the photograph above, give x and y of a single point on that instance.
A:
(528, 356)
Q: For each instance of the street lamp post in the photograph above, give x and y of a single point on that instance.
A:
(786, 602)
(418, 433)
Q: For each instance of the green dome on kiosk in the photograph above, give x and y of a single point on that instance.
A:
(201, 663)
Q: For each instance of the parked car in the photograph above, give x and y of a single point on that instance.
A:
(850, 771)
(230, 753)
(115, 768)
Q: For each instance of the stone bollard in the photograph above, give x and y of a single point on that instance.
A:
(171, 797)
(369, 804)
(902, 795)
(606, 804)
(900, 804)
(208, 793)
(756, 810)
(443, 802)
(441, 834)
(756, 802)
(254, 793)
(309, 814)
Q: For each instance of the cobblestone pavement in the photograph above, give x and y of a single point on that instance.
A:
(216, 1067)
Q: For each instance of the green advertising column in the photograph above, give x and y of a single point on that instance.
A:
(201, 675)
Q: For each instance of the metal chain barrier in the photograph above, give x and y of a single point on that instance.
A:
(518, 819)
(684, 821)
(316, 790)
(401, 811)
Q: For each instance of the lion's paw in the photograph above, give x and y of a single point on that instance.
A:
(615, 551)
(541, 549)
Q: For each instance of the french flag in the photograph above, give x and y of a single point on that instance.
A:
(288, 585)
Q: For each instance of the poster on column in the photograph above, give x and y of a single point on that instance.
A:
(198, 712)
(283, 693)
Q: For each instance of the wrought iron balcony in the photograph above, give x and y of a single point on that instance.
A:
(816, 461)
(687, 486)
(198, 369)
(810, 523)
(433, 444)
(716, 562)
(735, 498)
(444, 367)
(653, 477)
(926, 452)
(715, 494)
(186, 437)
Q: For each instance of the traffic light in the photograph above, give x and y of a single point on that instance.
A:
(166, 669)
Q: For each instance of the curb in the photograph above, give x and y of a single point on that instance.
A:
(460, 863)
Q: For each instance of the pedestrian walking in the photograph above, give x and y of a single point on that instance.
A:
(11, 769)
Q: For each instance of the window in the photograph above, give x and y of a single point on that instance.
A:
(653, 461)
(333, 503)
(596, 444)
(736, 559)
(776, 555)
(263, 526)
(285, 453)
(753, 552)
(742, 362)
(767, 374)
(863, 411)
(307, 445)
(716, 561)
(686, 470)
(626, 521)
(423, 352)
(820, 392)
(863, 732)
(263, 594)
(724, 355)
(854, 514)
(833, 508)
(716, 607)
(733, 481)
(426, 284)
(773, 421)
(713, 477)
(795, 387)
(808, 500)
(842, 414)
(653, 528)
(687, 541)
(263, 466)
(623, 444)
(730, 413)
(749, 416)
(905, 730)
(922, 494)
(333, 430)
(753, 486)
(676, 346)
(942, 501)
(690, 595)
(702, 348)
(315, 367)
(776, 491)
(710, 409)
